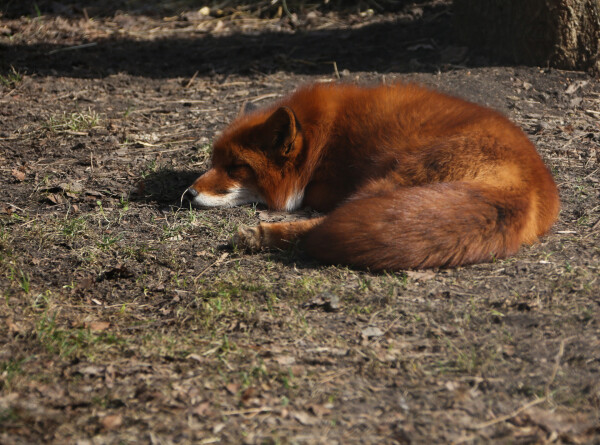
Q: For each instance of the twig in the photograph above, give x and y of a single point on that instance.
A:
(264, 409)
(390, 326)
(559, 354)
(71, 48)
(561, 351)
(515, 413)
(335, 70)
(264, 96)
(187, 85)
(15, 207)
(591, 174)
(216, 263)
(334, 375)
(257, 98)
(285, 8)
(464, 439)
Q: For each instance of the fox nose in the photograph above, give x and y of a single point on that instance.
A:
(190, 194)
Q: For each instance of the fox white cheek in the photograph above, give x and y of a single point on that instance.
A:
(234, 196)
(294, 201)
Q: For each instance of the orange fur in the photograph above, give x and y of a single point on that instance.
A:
(409, 177)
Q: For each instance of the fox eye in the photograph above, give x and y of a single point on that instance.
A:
(236, 169)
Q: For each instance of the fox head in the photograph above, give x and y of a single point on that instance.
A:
(256, 160)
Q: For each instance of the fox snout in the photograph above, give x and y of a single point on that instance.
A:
(215, 189)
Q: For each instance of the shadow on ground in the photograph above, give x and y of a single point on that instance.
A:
(104, 8)
(413, 45)
(164, 186)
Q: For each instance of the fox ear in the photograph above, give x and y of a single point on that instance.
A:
(280, 130)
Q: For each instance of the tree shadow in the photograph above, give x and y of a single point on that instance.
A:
(419, 45)
(107, 8)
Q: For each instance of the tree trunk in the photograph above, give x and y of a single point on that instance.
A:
(559, 33)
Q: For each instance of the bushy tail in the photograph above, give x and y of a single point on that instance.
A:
(436, 225)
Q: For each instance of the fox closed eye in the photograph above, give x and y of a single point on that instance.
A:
(237, 169)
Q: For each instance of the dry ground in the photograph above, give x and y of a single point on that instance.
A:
(124, 320)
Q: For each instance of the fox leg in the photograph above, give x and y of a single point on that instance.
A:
(273, 235)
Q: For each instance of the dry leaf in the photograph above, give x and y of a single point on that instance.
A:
(285, 360)
(577, 428)
(196, 357)
(97, 326)
(326, 300)
(304, 418)
(232, 388)
(54, 198)
(18, 174)
(319, 410)
(14, 327)
(248, 393)
(92, 370)
(201, 409)
(84, 284)
(418, 275)
(112, 421)
(372, 331)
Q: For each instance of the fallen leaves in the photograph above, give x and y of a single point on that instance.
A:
(54, 198)
(112, 421)
(327, 301)
(98, 326)
(421, 275)
(19, 175)
(372, 352)
(371, 331)
(576, 428)
(285, 360)
(305, 418)
(233, 388)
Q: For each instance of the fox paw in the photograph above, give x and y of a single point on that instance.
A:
(248, 238)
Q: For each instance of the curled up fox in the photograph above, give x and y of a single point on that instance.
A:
(406, 177)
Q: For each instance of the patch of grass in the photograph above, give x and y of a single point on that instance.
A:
(151, 168)
(123, 204)
(172, 232)
(11, 79)
(8, 415)
(73, 122)
(5, 241)
(138, 252)
(38, 11)
(257, 373)
(307, 285)
(24, 281)
(74, 227)
(107, 242)
(9, 370)
(71, 342)
(18, 277)
(161, 344)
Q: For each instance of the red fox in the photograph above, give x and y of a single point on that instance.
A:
(407, 177)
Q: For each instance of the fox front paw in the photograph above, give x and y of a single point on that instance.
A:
(248, 238)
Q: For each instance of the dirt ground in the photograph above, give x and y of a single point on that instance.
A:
(123, 319)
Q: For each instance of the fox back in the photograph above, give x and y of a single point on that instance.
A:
(407, 177)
